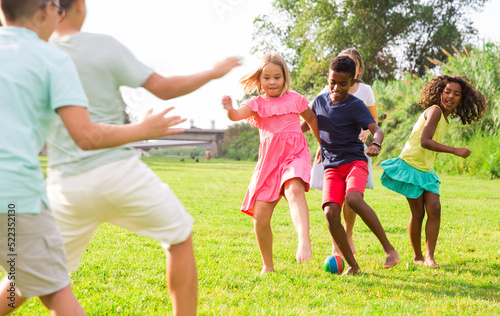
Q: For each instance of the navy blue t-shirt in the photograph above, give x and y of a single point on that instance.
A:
(339, 128)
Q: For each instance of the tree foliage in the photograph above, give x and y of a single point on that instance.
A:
(241, 142)
(393, 36)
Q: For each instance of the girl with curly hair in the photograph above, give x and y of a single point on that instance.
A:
(411, 173)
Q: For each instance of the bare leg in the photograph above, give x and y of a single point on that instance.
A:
(5, 290)
(433, 208)
(295, 195)
(263, 212)
(349, 219)
(182, 278)
(62, 302)
(415, 227)
(338, 234)
(355, 200)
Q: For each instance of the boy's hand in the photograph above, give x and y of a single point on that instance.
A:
(318, 156)
(372, 151)
(227, 102)
(462, 152)
(157, 125)
(221, 68)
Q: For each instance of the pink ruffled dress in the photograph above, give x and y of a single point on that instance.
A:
(283, 151)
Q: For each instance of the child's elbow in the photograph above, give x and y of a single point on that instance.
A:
(426, 144)
(233, 116)
(85, 145)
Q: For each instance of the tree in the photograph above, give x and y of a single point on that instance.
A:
(241, 142)
(393, 36)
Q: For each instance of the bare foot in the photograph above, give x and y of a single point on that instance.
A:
(352, 271)
(418, 259)
(431, 263)
(267, 270)
(304, 252)
(391, 259)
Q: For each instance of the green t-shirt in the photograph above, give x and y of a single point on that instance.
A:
(35, 80)
(104, 65)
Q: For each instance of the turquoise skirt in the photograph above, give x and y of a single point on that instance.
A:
(402, 178)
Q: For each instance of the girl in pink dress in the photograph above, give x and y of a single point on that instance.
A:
(284, 163)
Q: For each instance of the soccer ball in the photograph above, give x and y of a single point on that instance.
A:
(334, 264)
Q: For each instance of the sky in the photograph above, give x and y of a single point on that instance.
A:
(189, 36)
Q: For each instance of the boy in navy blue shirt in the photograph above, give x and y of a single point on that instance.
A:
(340, 118)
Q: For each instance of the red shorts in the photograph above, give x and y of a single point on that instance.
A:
(338, 181)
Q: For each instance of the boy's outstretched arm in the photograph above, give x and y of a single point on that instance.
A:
(172, 87)
(88, 135)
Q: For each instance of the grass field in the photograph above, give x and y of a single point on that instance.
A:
(122, 273)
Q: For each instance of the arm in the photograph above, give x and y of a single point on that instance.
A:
(304, 126)
(312, 122)
(235, 114)
(172, 87)
(378, 136)
(88, 135)
(364, 133)
(433, 116)
(373, 111)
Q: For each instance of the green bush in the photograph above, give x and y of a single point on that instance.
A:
(241, 142)
(494, 165)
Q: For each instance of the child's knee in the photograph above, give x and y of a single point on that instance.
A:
(294, 188)
(434, 210)
(332, 212)
(354, 199)
(261, 218)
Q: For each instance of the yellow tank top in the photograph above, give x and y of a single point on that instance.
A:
(413, 153)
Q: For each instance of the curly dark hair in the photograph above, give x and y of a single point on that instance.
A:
(472, 106)
(343, 63)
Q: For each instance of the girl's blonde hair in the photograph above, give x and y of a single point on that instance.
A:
(356, 56)
(251, 81)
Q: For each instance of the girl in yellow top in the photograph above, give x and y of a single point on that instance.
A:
(411, 173)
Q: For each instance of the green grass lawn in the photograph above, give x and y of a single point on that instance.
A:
(127, 271)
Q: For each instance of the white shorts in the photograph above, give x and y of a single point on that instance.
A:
(126, 193)
(32, 254)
